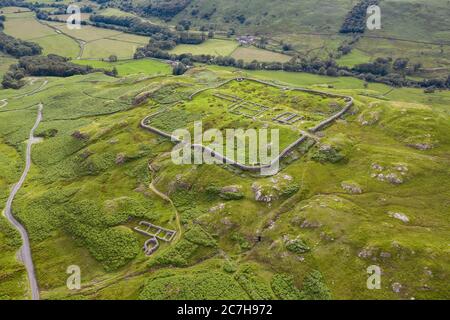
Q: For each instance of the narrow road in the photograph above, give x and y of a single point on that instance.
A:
(25, 250)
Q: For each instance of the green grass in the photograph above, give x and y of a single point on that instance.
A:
(144, 66)
(251, 53)
(214, 47)
(77, 193)
(353, 58)
(59, 44)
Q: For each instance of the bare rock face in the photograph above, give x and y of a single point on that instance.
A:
(396, 287)
(141, 98)
(307, 224)
(79, 135)
(86, 154)
(365, 253)
(421, 146)
(393, 175)
(121, 158)
(351, 187)
(393, 178)
(217, 208)
(181, 184)
(377, 167)
(399, 216)
(261, 195)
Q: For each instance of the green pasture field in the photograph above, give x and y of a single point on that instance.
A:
(86, 33)
(99, 43)
(215, 47)
(26, 27)
(124, 68)
(103, 48)
(248, 54)
(5, 62)
(12, 10)
(312, 45)
(116, 12)
(353, 58)
(59, 44)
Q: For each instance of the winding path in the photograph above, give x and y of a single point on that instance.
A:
(25, 250)
(166, 198)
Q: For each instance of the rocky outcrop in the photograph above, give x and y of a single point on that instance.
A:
(351, 187)
(394, 174)
(399, 216)
(121, 158)
(262, 194)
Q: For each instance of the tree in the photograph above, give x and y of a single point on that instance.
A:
(114, 72)
(287, 47)
(112, 58)
(179, 69)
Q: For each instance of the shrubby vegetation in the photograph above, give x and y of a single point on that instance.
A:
(181, 254)
(156, 32)
(297, 246)
(177, 255)
(113, 247)
(165, 8)
(326, 153)
(355, 21)
(284, 288)
(314, 287)
(195, 286)
(253, 284)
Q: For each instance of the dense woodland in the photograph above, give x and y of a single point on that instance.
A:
(51, 65)
(137, 26)
(165, 8)
(355, 21)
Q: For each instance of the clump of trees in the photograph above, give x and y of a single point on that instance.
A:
(179, 69)
(158, 33)
(51, 65)
(18, 48)
(382, 70)
(355, 21)
(165, 9)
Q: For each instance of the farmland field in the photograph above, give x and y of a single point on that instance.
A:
(215, 47)
(148, 67)
(251, 53)
(28, 28)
